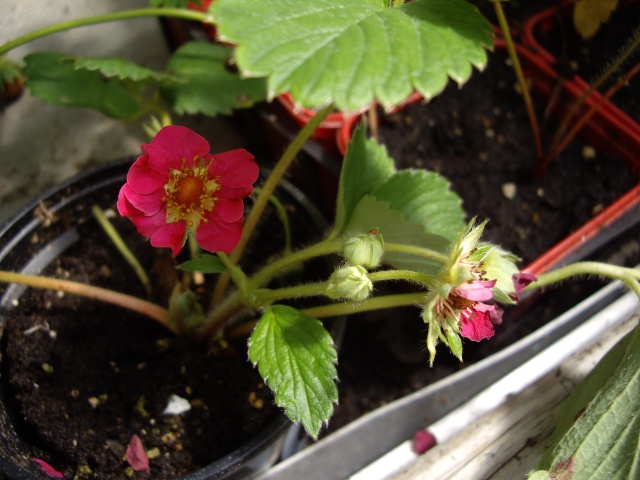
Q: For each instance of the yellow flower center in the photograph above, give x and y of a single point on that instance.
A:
(190, 194)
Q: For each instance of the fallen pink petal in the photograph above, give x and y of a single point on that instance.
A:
(48, 469)
(137, 456)
(423, 441)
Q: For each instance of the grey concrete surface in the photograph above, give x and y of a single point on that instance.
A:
(41, 144)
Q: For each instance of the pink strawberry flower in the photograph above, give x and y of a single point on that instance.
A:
(176, 188)
(476, 318)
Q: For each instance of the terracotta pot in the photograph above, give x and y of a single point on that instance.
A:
(29, 243)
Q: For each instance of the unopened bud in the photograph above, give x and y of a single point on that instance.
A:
(365, 250)
(349, 282)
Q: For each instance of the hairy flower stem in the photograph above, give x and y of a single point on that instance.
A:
(109, 17)
(419, 251)
(129, 302)
(326, 247)
(629, 276)
(406, 275)
(266, 191)
(375, 303)
(122, 247)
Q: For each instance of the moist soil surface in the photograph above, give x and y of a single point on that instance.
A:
(479, 138)
(83, 380)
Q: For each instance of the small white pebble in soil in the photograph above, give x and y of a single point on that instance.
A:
(490, 132)
(540, 192)
(109, 213)
(60, 294)
(47, 367)
(94, 402)
(509, 190)
(15, 302)
(75, 393)
(588, 152)
(176, 405)
(457, 131)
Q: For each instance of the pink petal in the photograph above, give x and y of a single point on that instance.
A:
(124, 205)
(423, 440)
(236, 168)
(180, 142)
(136, 455)
(147, 204)
(217, 236)
(161, 162)
(170, 235)
(476, 291)
(143, 179)
(520, 281)
(227, 210)
(477, 325)
(147, 225)
(48, 469)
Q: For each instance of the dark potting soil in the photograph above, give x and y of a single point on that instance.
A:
(83, 380)
(590, 58)
(479, 138)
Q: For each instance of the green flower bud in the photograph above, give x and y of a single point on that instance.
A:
(349, 282)
(365, 250)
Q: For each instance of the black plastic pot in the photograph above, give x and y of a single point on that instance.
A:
(28, 243)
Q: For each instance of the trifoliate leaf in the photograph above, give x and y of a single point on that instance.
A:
(296, 357)
(54, 78)
(350, 52)
(120, 68)
(588, 15)
(426, 198)
(366, 165)
(206, 83)
(394, 228)
(204, 263)
(603, 441)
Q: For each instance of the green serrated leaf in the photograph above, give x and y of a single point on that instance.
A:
(352, 52)
(204, 263)
(426, 198)
(53, 77)
(296, 357)
(603, 441)
(373, 213)
(366, 165)
(206, 84)
(120, 68)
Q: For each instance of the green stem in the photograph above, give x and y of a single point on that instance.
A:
(109, 17)
(237, 275)
(267, 190)
(266, 296)
(585, 268)
(517, 68)
(419, 251)
(375, 303)
(122, 247)
(319, 249)
(129, 302)
(407, 275)
(274, 179)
